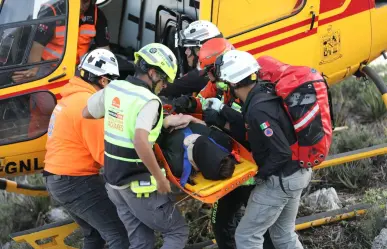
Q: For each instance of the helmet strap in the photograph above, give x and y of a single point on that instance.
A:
(90, 78)
(154, 83)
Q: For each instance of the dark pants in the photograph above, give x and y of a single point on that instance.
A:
(86, 200)
(143, 216)
(226, 215)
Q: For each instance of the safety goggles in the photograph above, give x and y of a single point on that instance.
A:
(217, 65)
(162, 76)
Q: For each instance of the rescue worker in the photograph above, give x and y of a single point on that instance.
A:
(133, 121)
(75, 148)
(192, 38)
(274, 202)
(220, 108)
(50, 38)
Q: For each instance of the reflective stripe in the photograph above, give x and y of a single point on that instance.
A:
(87, 32)
(55, 53)
(120, 151)
(307, 118)
(60, 33)
(123, 159)
(237, 74)
(168, 59)
(144, 51)
(123, 139)
(127, 92)
(198, 34)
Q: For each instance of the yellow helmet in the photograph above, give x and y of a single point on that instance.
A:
(159, 55)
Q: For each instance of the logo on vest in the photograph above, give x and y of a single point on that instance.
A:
(116, 102)
(87, 19)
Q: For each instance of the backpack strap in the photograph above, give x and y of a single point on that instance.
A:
(187, 167)
(330, 101)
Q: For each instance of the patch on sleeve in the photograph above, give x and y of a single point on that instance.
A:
(268, 132)
(264, 125)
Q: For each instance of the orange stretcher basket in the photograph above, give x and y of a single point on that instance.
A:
(209, 191)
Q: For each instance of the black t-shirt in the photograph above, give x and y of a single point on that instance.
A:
(173, 149)
(46, 31)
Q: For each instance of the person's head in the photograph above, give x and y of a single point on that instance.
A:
(194, 36)
(155, 64)
(99, 67)
(214, 162)
(208, 53)
(239, 70)
(85, 4)
(227, 167)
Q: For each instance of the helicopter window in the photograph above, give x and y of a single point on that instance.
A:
(25, 117)
(32, 39)
(260, 12)
(380, 3)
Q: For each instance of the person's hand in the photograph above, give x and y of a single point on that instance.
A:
(213, 103)
(24, 75)
(163, 186)
(212, 117)
(181, 104)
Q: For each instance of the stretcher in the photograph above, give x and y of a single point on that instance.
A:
(208, 191)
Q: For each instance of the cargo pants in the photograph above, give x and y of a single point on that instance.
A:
(86, 200)
(269, 207)
(143, 216)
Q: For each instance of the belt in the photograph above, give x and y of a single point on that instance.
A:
(291, 168)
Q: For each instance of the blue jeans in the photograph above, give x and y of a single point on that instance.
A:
(86, 200)
(269, 208)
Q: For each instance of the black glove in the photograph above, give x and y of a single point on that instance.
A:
(212, 117)
(184, 104)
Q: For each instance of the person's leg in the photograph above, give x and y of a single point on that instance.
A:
(159, 213)
(263, 208)
(283, 231)
(140, 236)
(225, 216)
(86, 198)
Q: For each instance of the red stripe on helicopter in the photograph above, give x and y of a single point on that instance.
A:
(44, 87)
(273, 33)
(355, 7)
(328, 5)
(282, 42)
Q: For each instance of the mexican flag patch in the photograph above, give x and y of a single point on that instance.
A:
(264, 125)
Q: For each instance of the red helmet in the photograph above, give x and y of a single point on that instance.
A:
(211, 49)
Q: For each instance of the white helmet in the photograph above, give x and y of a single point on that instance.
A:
(235, 65)
(197, 33)
(100, 62)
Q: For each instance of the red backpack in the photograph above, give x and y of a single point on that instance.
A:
(307, 101)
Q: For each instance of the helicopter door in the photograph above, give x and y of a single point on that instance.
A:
(284, 29)
(344, 37)
(33, 67)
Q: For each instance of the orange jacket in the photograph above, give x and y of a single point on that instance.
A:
(210, 91)
(87, 32)
(75, 146)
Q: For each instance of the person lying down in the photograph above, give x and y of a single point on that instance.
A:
(198, 148)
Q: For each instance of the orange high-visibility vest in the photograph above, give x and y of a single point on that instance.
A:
(54, 49)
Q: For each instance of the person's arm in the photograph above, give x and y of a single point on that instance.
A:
(276, 144)
(93, 138)
(95, 108)
(235, 123)
(102, 37)
(146, 118)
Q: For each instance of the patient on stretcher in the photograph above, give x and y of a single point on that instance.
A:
(198, 148)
